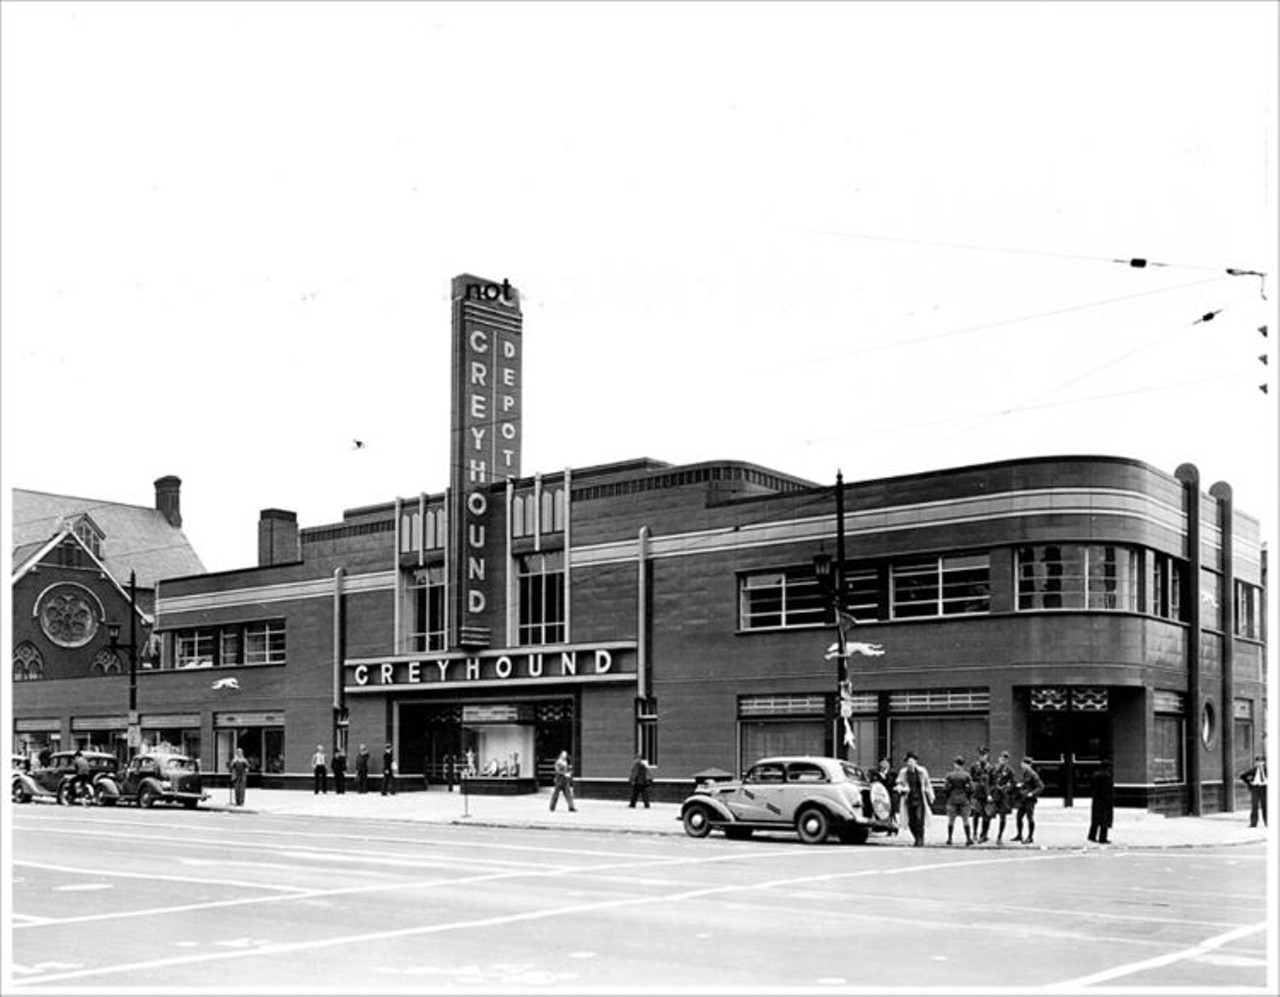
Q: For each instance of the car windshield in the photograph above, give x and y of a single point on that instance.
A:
(102, 763)
(180, 765)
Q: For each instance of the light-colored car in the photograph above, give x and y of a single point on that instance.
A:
(814, 797)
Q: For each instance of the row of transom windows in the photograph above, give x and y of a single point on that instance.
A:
(1107, 577)
(533, 514)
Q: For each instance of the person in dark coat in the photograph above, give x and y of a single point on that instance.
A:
(1256, 779)
(239, 769)
(448, 771)
(388, 771)
(1102, 806)
(362, 770)
(641, 778)
(339, 766)
(1003, 793)
(1029, 789)
(980, 772)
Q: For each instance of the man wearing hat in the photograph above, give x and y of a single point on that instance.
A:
(1256, 779)
(916, 793)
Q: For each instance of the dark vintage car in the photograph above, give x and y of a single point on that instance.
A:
(52, 776)
(155, 777)
(811, 796)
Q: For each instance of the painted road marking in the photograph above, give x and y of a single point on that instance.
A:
(366, 938)
(80, 887)
(160, 877)
(1195, 952)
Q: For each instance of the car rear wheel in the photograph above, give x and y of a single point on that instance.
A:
(813, 825)
(64, 794)
(147, 798)
(737, 833)
(697, 821)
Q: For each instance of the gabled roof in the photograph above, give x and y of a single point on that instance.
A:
(135, 537)
(68, 533)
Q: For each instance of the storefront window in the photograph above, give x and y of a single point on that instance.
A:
(263, 748)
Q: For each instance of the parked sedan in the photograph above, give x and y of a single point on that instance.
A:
(52, 777)
(156, 777)
(814, 797)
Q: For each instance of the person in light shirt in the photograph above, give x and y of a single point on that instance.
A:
(1256, 779)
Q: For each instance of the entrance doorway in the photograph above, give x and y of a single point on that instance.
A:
(1068, 737)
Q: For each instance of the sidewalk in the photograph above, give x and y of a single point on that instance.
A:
(1057, 827)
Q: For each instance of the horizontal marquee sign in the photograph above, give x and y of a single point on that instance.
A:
(595, 663)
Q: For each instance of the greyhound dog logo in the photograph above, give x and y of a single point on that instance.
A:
(227, 683)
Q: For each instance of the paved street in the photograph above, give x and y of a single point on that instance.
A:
(170, 899)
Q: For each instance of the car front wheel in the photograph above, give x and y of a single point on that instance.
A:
(147, 798)
(813, 825)
(697, 821)
(64, 794)
(20, 795)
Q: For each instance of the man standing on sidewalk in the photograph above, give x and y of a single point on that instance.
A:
(388, 772)
(1102, 803)
(319, 772)
(1029, 790)
(1256, 779)
(340, 771)
(362, 770)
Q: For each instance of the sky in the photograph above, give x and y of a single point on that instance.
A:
(874, 238)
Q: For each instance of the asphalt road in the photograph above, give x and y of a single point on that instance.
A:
(175, 900)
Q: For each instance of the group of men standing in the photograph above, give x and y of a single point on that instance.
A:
(320, 771)
(979, 793)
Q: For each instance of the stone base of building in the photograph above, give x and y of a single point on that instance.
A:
(501, 786)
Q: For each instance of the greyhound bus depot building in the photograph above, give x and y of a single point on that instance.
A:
(1069, 608)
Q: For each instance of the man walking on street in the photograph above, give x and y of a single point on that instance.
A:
(1256, 779)
(640, 781)
(564, 782)
(239, 770)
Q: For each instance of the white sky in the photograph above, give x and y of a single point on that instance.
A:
(229, 230)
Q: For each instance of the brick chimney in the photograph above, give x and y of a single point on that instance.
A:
(168, 502)
(278, 537)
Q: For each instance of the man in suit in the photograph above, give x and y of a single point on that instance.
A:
(1102, 804)
(339, 766)
(916, 793)
(640, 781)
(1256, 779)
(362, 770)
(388, 771)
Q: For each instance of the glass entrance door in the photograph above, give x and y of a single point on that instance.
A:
(1067, 745)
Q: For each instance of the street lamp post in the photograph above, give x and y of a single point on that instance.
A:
(113, 630)
(831, 578)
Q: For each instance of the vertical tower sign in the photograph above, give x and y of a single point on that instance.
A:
(485, 447)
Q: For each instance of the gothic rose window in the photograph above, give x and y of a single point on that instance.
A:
(67, 615)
